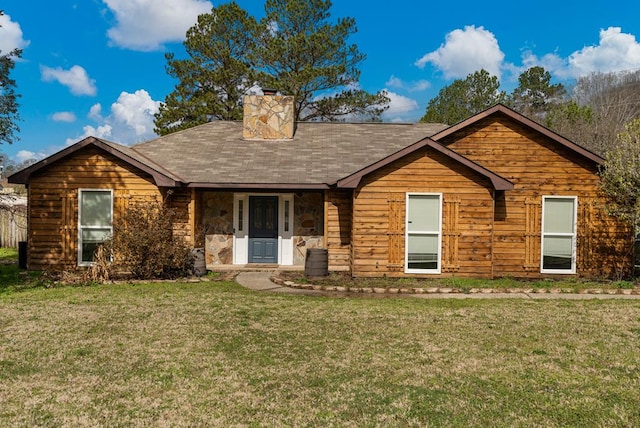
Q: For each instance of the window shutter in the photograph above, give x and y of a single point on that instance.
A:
(121, 200)
(69, 232)
(395, 234)
(533, 221)
(587, 218)
(451, 234)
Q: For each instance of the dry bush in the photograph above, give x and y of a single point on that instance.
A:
(100, 271)
(143, 246)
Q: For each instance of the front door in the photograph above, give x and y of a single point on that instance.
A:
(263, 229)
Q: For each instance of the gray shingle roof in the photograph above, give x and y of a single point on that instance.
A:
(319, 153)
(133, 154)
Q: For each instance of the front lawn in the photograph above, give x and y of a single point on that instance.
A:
(214, 354)
(8, 255)
(13, 278)
(462, 285)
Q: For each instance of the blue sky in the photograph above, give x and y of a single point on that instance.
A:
(97, 67)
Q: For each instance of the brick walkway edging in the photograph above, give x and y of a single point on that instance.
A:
(451, 290)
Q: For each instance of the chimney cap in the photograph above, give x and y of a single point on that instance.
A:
(269, 91)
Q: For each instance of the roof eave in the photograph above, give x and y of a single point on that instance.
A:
(160, 179)
(260, 186)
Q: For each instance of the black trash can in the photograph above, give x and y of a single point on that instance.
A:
(316, 263)
(22, 254)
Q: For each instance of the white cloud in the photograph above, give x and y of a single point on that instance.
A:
(418, 85)
(617, 51)
(135, 111)
(95, 112)
(401, 108)
(145, 25)
(103, 131)
(551, 62)
(129, 121)
(64, 116)
(25, 155)
(395, 82)
(466, 51)
(76, 79)
(10, 35)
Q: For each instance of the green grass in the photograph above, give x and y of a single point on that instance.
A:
(11, 277)
(214, 354)
(10, 254)
(461, 284)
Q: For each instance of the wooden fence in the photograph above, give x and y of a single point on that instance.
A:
(13, 220)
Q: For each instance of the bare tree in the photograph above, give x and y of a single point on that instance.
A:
(621, 176)
(601, 105)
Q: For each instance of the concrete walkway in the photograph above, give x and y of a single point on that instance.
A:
(261, 281)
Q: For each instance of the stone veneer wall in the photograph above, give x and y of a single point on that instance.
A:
(269, 117)
(217, 221)
(308, 224)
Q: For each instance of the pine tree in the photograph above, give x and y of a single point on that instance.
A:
(295, 49)
(9, 116)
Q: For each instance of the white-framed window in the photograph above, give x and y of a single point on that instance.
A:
(423, 239)
(559, 219)
(95, 221)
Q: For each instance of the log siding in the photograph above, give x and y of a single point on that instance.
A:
(379, 218)
(538, 166)
(338, 211)
(493, 171)
(53, 197)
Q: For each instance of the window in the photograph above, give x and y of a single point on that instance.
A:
(95, 219)
(286, 214)
(423, 236)
(240, 215)
(559, 234)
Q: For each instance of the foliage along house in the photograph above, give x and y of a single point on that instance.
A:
(495, 195)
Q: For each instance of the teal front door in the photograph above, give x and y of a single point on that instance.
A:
(263, 229)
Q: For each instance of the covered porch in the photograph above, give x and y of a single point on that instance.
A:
(244, 230)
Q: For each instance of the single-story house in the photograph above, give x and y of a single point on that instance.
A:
(495, 195)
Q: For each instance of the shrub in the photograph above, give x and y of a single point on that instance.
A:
(143, 246)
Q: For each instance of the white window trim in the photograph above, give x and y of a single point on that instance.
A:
(407, 233)
(574, 236)
(81, 228)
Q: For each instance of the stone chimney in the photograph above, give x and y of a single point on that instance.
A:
(268, 116)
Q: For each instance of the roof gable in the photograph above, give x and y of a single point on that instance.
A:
(506, 111)
(320, 155)
(352, 181)
(160, 176)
